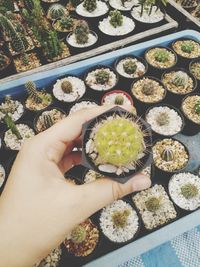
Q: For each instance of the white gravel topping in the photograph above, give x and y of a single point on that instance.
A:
(175, 184)
(155, 16)
(117, 4)
(118, 234)
(107, 28)
(2, 175)
(147, 171)
(92, 176)
(52, 260)
(82, 105)
(139, 71)
(11, 140)
(110, 99)
(91, 80)
(172, 126)
(101, 9)
(78, 89)
(17, 109)
(163, 214)
(92, 39)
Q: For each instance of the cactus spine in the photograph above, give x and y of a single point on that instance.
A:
(102, 76)
(187, 47)
(56, 11)
(162, 119)
(189, 191)
(161, 55)
(90, 5)
(11, 125)
(66, 22)
(78, 234)
(120, 218)
(116, 18)
(180, 78)
(167, 155)
(129, 67)
(32, 91)
(81, 32)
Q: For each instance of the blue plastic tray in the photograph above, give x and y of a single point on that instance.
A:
(168, 232)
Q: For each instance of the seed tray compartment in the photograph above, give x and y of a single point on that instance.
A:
(145, 240)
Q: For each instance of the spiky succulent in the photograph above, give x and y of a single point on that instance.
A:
(119, 218)
(162, 119)
(32, 91)
(116, 18)
(153, 204)
(161, 55)
(167, 154)
(78, 234)
(81, 32)
(67, 87)
(47, 121)
(12, 126)
(56, 11)
(189, 191)
(102, 76)
(129, 67)
(119, 100)
(8, 107)
(187, 47)
(66, 22)
(118, 141)
(180, 78)
(148, 88)
(197, 107)
(90, 5)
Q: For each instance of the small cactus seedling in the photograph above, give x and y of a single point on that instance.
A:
(81, 32)
(67, 87)
(66, 22)
(187, 47)
(32, 91)
(167, 155)
(102, 76)
(8, 106)
(48, 121)
(119, 100)
(11, 125)
(90, 5)
(153, 204)
(116, 18)
(78, 234)
(197, 108)
(162, 119)
(4, 61)
(120, 218)
(189, 191)
(162, 55)
(56, 11)
(148, 88)
(129, 67)
(180, 78)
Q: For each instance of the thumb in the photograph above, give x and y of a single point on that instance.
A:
(96, 195)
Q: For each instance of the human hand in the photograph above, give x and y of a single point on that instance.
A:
(39, 207)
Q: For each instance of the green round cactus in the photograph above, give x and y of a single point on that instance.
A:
(119, 100)
(81, 32)
(153, 204)
(118, 141)
(78, 234)
(148, 88)
(187, 47)
(66, 22)
(189, 191)
(56, 11)
(161, 55)
(162, 119)
(90, 5)
(32, 92)
(66, 87)
(116, 18)
(197, 107)
(102, 76)
(129, 67)
(167, 155)
(120, 218)
(180, 78)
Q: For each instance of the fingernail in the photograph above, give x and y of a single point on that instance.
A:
(141, 183)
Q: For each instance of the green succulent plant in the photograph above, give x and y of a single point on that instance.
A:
(118, 141)
(187, 47)
(153, 204)
(180, 78)
(167, 155)
(189, 191)
(81, 32)
(119, 218)
(90, 5)
(7, 5)
(197, 107)
(148, 88)
(67, 87)
(130, 67)
(56, 11)
(32, 92)
(78, 234)
(119, 100)
(66, 22)
(47, 121)
(161, 55)
(102, 76)
(116, 18)
(12, 126)
(162, 119)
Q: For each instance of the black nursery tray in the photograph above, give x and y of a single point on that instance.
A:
(104, 44)
(108, 253)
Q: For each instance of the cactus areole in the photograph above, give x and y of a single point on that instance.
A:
(116, 144)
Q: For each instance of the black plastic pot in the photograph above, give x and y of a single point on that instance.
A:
(145, 161)
(83, 100)
(191, 128)
(174, 98)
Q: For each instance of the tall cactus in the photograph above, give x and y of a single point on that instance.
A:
(12, 126)
(81, 32)
(32, 91)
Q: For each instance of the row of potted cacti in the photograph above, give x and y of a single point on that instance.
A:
(192, 6)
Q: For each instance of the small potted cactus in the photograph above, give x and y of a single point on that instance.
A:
(92, 9)
(117, 97)
(81, 37)
(69, 89)
(187, 48)
(122, 5)
(131, 67)
(106, 151)
(116, 24)
(64, 24)
(194, 68)
(56, 11)
(37, 100)
(83, 239)
(161, 57)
